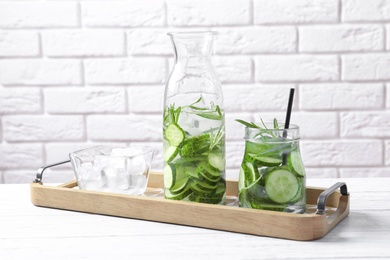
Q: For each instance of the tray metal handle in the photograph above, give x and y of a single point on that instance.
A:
(40, 171)
(321, 202)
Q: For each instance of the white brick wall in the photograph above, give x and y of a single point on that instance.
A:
(74, 74)
(362, 10)
(40, 72)
(19, 43)
(295, 11)
(68, 43)
(330, 38)
(296, 68)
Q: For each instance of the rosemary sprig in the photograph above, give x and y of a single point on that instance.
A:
(216, 138)
(172, 114)
(264, 127)
(247, 124)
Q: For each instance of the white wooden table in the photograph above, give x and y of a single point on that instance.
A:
(29, 232)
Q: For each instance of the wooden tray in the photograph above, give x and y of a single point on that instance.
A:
(314, 224)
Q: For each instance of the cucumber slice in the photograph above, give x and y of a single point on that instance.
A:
(281, 186)
(221, 188)
(170, 153)
(299, 194)
(174, 134)
(202, 187)
(268, 161)
(189, 161)
(216, 161)
(241, 179)
(169, 175)
(207, 180)
(209, 200)
(249, 157)
(180, 173)
(242, 199)
(255, 203)
(187, 191)
(253, 190)
(296, 162)
(208, 197)
(252, 147)
(251, 173)
(191, 172)
(179, 186)
(208, 172)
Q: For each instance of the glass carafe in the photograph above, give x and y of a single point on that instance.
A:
(272, 175)
(194, 123)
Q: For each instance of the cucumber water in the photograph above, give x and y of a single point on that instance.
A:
(272, 175)
(194, 152)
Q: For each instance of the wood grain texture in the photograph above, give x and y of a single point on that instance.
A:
(30, 232)
(241, 220)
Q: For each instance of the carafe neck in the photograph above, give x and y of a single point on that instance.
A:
(192, 49)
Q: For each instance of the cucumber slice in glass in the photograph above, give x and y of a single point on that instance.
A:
(241, 179)
(252, 147)
(251, 173)
(295, 161)
(281, 186)
(174, 134)
(268, 161)
(299, 194)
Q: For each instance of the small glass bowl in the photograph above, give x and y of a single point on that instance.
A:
(112, 169)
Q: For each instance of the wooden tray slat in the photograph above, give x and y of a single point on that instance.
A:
(220, 217)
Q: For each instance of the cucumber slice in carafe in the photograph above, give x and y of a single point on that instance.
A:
(169, 175)
(174, 134)
(170, 153)
(216, 161)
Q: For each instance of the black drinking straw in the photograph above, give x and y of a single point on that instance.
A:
(287, 121)
(288, 114)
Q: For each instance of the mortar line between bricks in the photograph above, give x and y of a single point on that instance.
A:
(82, 73)
(252, 13)
(79, 15)
(326, 23)
(165, 23)
(384, 91)
(125, 44)
(340, 11)
(40, 44)
(383, 152)
(342, 23)
(85, 131)
(297, 47)
(340, 71)
(385, 38)
(321, 82)
(296, 52)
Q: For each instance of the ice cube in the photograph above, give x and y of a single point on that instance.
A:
(117, 152)
(118, 169)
